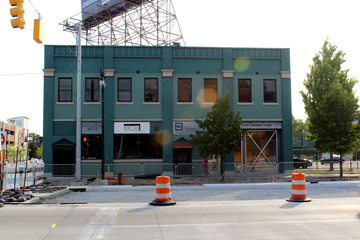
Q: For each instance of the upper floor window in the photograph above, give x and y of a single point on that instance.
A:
(91, 90)
(184, 90)
(65, 90)
(124, 90)
(269, 90)
(244, 90)
(151, 90)
(210, 90)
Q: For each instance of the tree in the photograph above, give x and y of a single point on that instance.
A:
(35, 146)
(222, 131)
(330, 103)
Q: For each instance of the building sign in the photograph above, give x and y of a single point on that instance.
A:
(132, 127)
(261, 125)
(185, 128)
(91, 128)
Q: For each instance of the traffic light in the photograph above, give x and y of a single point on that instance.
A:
(17, 12)
(38, 31)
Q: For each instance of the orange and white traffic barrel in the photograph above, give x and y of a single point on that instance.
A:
(298, 188)
(163, 192)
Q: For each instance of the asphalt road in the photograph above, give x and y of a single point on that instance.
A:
(218, 211)
(207, 192)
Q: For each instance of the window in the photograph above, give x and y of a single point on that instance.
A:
(91, 90)
(244, 90)
(65, 90)
(91, 146)
(151, 90)
(124, 90)
(184, 90)
(134, 146)
(210, 90)
(269, 90)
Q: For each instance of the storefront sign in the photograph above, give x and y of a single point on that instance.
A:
(261, 125)
(91, 128)
(185, 128)
(132, 127)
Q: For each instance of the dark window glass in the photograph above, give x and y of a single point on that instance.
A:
(210, 90)
(151, 90)
(132, 146)
(91, 90)
(244, 90)
(124, 90)
(269, 90)
(91, 146)
(184, 90)
(65, 90)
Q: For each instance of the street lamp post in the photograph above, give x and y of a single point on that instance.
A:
(102, 85)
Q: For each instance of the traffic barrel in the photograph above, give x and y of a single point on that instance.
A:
(163, 192)
(298, 188)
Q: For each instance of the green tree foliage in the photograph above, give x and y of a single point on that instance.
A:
(222, 131)
(35, 146)
(330, 102)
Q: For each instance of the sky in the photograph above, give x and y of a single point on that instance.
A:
(302, 26)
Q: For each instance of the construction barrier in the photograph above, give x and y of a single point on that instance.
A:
(298, 188)
(34, 172)
(163, 192)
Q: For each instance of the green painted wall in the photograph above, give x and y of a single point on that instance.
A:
(138, 63)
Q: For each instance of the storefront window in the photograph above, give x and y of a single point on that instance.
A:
(91, 147)
(261, 154)
(134, 146)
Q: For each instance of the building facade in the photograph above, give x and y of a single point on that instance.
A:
(154, 94)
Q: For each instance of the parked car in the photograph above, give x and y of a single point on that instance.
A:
(336, 159)
(301, 162)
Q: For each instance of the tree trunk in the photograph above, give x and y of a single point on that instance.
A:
(331, 162)
(341, 167)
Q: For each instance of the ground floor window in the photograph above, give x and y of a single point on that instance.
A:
(258, 152)
(133, 146)
(91, 147)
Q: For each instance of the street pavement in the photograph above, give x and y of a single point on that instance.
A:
(215, 211)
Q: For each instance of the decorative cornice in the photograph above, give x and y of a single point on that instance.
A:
(285, 74)
(167, 73)
(228, 73)
(49, 72)
(109, 72)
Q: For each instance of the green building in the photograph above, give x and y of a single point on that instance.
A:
(151, 99)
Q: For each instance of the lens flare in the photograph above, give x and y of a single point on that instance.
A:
(163, 137)
(241, 64)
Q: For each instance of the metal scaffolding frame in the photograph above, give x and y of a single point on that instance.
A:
(139, 23)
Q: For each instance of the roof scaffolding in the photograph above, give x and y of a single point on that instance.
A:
(127, 22)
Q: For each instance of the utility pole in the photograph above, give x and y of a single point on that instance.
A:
(78, 107)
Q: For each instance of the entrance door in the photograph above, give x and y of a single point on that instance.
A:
(182, 158)
(63, 158)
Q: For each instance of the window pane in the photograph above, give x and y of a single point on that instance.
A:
(210, 90)
(65, 96)
(124, 84)
(65, 84)
(244, 90)
(184, 90)
(124, 96)
(269, 90)
(151, 90)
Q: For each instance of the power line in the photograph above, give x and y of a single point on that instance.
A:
(19, 74)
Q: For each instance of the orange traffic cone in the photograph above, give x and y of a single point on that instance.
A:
(298, 188)
(163, 192)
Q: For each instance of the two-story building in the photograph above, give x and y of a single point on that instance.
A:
(154, 94)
